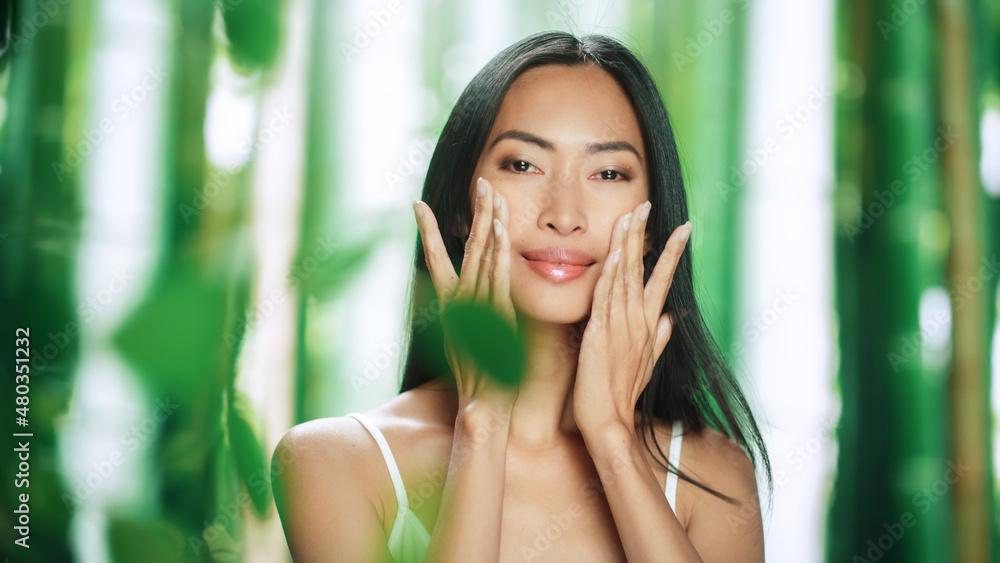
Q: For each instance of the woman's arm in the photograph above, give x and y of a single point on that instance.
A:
(328, 511)
(625, 336)
(468, 522)
(648, 527)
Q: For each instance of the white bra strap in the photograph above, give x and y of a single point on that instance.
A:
(390, 461)
(674, 458)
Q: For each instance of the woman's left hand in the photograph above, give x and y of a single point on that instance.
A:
(626, 332)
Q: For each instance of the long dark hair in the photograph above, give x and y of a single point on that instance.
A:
(692, 380)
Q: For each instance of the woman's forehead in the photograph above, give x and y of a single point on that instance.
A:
(569, 104)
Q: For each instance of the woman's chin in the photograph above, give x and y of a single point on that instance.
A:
(551, 311)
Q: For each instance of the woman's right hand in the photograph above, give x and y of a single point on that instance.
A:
(485, 278)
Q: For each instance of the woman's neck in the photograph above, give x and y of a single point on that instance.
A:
(543, 414)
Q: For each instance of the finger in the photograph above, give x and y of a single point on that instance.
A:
(441, 269)
(501, 262)
(605, 284)
(619, 291)
(484, 277)
(663, 273)
(501, 273)
(478, 237)
(664, 329)
(634, 266)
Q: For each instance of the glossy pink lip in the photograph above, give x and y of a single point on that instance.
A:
(559, 264)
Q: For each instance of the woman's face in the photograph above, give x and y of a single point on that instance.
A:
(566, 152)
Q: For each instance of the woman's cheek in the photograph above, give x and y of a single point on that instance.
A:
(515, 222)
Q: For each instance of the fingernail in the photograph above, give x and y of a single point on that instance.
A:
(417, 209)
(644, 212)
(496, 226)
(617, 256)
(686, 233)
(481, 187)
(626, 222)
(496, 200)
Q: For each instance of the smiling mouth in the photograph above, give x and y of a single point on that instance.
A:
(556, 272)
(562, 264)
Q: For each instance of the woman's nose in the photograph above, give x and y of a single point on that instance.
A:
(561, 206)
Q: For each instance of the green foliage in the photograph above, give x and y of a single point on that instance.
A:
(254, 31)
(325, 268)
(152, 542)
(251, 461)
(480, 333)
(175, 337)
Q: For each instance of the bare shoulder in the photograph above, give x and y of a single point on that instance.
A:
(319, 441)
(723, 464)
(337, 456)
(321, 454)
(721, 530)
(331, 482)
(326, 497)
(342, 443)
(418, 426)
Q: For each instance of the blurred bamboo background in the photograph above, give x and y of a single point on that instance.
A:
(205, 223)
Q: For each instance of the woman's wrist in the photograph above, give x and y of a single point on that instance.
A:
(480, 422)
(615, 436)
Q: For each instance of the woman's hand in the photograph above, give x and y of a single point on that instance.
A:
(485, 278)
(626, 333)
(476, 470)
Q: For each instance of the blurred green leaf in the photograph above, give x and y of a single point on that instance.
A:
(175, 336)
(254, 31)
(241, 314)
(149, 542)
(480, 333)
(326, 267)
(251, 462)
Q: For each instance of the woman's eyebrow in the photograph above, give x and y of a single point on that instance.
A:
(592, 148)
(523, 136)
(614, 146)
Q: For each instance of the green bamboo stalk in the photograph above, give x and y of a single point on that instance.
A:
(39, 228)
(319, 196)
(849, 134)
(969, 383)
(986, 57)
(892, 442)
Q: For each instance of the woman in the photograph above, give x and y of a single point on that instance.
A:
(572, 224)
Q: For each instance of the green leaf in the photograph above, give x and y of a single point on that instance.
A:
(151, 542)
(325, 268)
(481, 334)
(175, 336)
(253, 28)
(251, 462)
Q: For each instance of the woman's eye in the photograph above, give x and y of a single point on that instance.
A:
(613, 175)
(518, 166)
